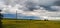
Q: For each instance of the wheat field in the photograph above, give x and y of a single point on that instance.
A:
(30, 24)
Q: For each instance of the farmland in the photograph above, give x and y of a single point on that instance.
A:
(30, 24)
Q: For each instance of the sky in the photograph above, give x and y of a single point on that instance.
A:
(31, 9)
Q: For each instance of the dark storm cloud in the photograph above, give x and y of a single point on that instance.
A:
(57, 3)
(48, 8)
(31, 6)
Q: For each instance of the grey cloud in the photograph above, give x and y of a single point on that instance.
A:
(57, 8)
(48, 8)
(34, 6)
(57, 3)
(31, 5)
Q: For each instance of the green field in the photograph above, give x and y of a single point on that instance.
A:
(30, 24)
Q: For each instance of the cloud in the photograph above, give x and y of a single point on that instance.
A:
(44, 9)
(57, 8)
(57, 3)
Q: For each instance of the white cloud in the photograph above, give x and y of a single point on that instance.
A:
(38, 11)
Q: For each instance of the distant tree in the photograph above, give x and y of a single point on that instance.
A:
(1, 17)
(45, 19)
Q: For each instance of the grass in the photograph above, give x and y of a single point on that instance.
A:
(30, 24)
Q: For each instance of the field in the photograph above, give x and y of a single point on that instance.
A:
(30, 24)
